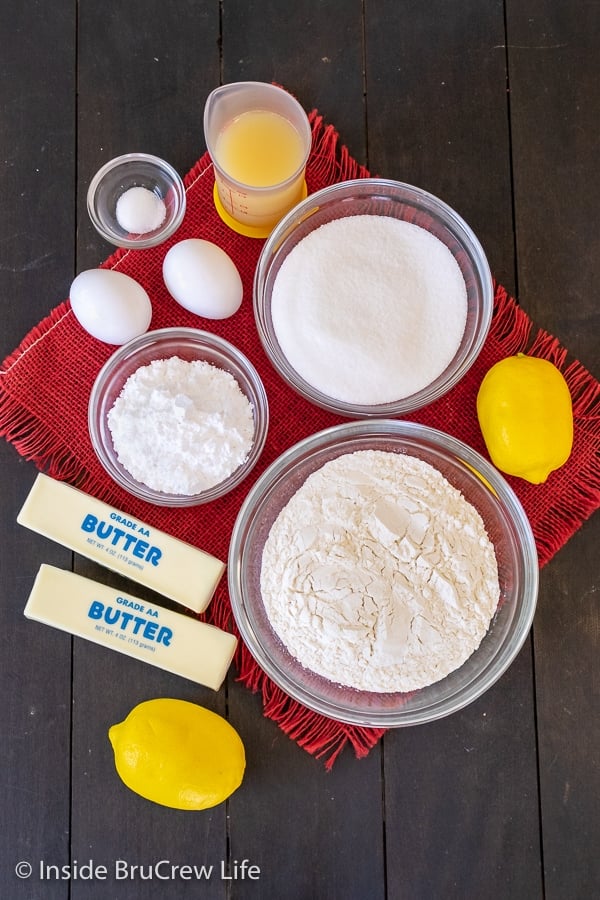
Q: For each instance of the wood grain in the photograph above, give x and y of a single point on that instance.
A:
(554, 71)
(37, 165)
(491, 105)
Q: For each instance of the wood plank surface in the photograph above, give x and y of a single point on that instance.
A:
(37, 165)
(302, 828)
(142, 80)
(554, 76)
(437, 82)
(491, 105)
(437, 111)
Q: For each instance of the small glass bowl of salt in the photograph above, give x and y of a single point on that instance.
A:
(136, 200)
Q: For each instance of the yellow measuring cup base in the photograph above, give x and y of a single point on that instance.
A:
(254, 231)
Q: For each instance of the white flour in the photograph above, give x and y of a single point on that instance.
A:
(181, 427)
(378, 574)
(369, 309)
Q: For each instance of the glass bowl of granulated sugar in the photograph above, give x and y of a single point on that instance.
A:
(383, 573)
(178, 416)
(372, 298)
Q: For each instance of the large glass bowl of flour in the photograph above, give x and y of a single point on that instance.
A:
(481, 486)
(183, 422)
(372, 298)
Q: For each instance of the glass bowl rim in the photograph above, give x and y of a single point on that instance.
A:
(487, 474)
(161, 234)
(198, 337)
(370, 188)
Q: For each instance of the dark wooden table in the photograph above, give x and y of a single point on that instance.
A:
(493, 106)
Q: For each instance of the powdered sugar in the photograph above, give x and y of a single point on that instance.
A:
(181, 427)
(378, 574)
(369, 309)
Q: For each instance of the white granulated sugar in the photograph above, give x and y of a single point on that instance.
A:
(369, 309)
(181, 427)
(378, 574)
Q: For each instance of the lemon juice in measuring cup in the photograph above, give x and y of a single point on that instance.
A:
(259, 138)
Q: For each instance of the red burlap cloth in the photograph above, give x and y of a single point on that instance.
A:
(45, 385)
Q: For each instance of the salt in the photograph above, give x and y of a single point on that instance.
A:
(140, 210)
(369, 309)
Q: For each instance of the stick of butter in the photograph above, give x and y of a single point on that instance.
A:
(121, 543)
(166, 639)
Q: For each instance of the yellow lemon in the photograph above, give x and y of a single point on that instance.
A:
(526, 417)
(178, 754)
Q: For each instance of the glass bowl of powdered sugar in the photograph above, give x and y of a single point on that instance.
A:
(136, 201)
(383, 573)
(372, 298)
(178, 416)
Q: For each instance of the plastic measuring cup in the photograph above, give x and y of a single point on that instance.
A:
(259, 138)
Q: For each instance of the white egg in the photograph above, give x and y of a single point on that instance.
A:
(203, 279)
(110, 305)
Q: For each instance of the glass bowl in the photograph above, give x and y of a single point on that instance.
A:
(375, 196)
(507, 527)
(121, 174)
(188, 344)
